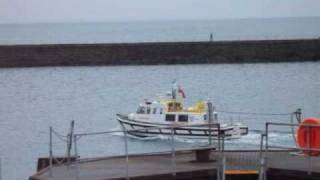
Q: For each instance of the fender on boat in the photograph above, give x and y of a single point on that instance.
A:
(309, 136)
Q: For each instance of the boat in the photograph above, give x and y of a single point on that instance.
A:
(166, 115)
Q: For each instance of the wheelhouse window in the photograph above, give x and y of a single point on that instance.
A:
(183, 118)
(170, 107)
(174, 106)
(154, 111)
(141, 110)
(170, 117)
(148, 110)
(161, 110)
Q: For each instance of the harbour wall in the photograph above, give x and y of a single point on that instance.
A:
(206, 52)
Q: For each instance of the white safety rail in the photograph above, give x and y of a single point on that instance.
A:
(267, 146)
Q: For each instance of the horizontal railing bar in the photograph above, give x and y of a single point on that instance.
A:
(302, 149)
(141, 129)
(289, 124)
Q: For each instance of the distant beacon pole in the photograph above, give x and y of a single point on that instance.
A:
(210, 118)
(211, 37)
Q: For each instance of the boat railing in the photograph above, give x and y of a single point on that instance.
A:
(72, 142)
(267, 146)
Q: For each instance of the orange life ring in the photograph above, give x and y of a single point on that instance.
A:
(311, 134)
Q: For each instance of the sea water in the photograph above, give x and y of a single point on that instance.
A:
(32, 99)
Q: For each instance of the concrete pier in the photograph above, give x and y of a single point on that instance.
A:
(205, 52)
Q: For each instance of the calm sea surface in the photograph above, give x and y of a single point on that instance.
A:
(32, 99)
(197, 30)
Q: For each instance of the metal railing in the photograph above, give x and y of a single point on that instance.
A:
(231, 117)
(266, 146)
(73, 139)
(72, 142)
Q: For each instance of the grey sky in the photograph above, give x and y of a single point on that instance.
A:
(21, 11)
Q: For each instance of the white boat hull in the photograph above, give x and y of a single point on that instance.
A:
(138, 128)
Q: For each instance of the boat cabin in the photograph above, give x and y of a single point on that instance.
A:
(159, 107)
(169, 111)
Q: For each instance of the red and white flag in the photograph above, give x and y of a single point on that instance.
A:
(181, 92)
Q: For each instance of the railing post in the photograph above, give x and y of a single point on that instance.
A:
(76, 155)
(262, 159)
(309, 151)
(267, 136)
(75, 146)
(223, 157)
(218, 171)
(50, 151)
(126, 152)
(299, 115)
(223, 174)
(266, 151)
(173, 153)
(210, 118)
(219, 137)
(261, 145)
(222, 143)
(292, 128)
(220, 152)
(69, 141)
(262, 172)
(222, 161)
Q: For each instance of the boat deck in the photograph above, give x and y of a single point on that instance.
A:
(159, 166)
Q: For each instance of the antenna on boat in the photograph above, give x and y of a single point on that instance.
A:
(174, 89)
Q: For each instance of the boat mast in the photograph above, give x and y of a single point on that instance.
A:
(174, 90)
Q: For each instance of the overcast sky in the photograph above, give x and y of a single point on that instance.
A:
(22, 11)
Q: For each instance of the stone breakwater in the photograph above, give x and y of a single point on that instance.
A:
(259, 51)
